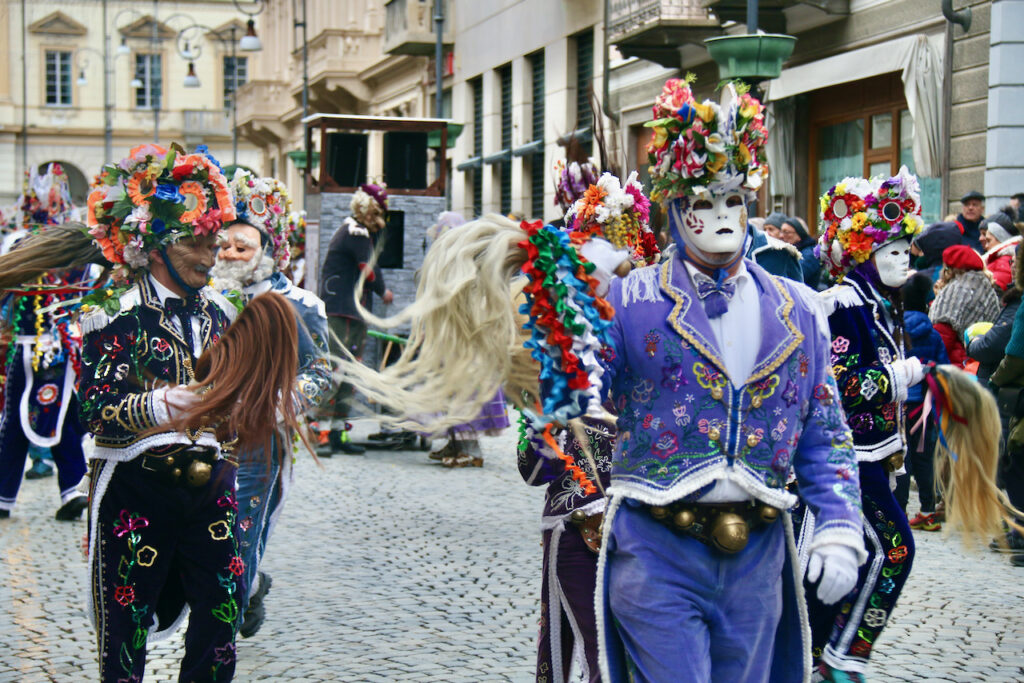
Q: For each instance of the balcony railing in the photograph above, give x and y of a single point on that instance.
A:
(203, 122)
(630, 16)
(409, 27)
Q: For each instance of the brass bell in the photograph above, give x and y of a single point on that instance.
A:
(659, 512)
(730, 533)
(198, 473)
(717, 393)
(176, 473)
(756, 401)
(578, 517)
(169, 460)
(684, 519)
(714, 433)
(768, 514)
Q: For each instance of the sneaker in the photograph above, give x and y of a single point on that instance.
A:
(39, 470)
(1010, 543)
(931, 525)
(256, 611)
(921, 519)
(72, 509)
(349, 448)
(441, 453)
(836, 676)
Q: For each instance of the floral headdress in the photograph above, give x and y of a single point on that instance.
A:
(572, 180)
(696, 147)
(155, 197)
(297, 231)
(618, 213)
(264, 203)
(858, 216)
(46, 198)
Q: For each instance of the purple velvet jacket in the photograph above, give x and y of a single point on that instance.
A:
(683, 425)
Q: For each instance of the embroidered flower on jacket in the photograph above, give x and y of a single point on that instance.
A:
(672, 377)
(124, 595)
(681, 414)
(236, 566)
(861, 423)
(840, 344)
(225, 654)
(789, 394)
(47, 394)
(884, 355)
(146, 556)
(868, 388)
(642, 391)
(666, 444)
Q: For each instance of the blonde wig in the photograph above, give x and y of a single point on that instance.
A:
(966, 455)
(465, 339)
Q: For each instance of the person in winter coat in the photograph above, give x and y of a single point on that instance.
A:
(773, 224)
(964, 295)
(927, 247)
(968, 222)
(1000, 239)
(794, 231)
(926, 344)
(989, 348)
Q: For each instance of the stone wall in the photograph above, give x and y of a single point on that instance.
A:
(968, 115)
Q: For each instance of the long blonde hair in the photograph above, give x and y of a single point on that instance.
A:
(967, 454)
(465, 340)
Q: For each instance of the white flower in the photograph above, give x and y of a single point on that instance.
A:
(140, 214)
(135, 254)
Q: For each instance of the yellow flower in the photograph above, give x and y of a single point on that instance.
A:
(716, 162)
(660, 137)
(705, 111)
(749, 111)
(744, 155)
(840, 189)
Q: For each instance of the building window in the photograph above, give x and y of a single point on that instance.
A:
(505, 78)
(537, 117)
(584, 78)
(232, 79)
(476, 87)
(149, 69)
(58, 78)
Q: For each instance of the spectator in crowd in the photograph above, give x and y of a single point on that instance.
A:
(774, 255)
(926, 344)
(999, 238)
(1015, 204)
(989, 348)
(928, 246)
(972, 209)
(795, 232)
(773, 224)
(964, 295)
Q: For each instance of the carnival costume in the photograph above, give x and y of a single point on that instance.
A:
(162, 525)
(349, 254)
(264, 478)
(723, 389)
(40, 408)
(867, 227)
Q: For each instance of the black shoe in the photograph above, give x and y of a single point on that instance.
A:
(350, 448)
(72, 509)
(324, 451)
(381, 436)
(4, 514)
(256, 611)
(1011, 543)
(1017, 560)
(39, 470)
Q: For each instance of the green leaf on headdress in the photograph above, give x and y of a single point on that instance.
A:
(111, 305)
(122, 207)
(689, 78)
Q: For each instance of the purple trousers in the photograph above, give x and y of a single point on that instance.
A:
(685, 612)
(567, 606)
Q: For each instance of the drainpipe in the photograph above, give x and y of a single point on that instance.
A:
(606, 103)
(962, 17)
(24, 90)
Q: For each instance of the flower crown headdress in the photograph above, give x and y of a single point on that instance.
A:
(858, 216)
(617, 212)
(572, 180)
(264, 203)
(154, 197)
(697, 147)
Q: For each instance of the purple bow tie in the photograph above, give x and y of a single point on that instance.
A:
(715, 295)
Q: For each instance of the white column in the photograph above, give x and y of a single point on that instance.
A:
(1004, 164)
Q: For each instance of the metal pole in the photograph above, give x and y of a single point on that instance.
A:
(439, 69)
(24, 89)
(751, 16)
(155, 98)
(234, 97)
(108, 121)
(305, 102)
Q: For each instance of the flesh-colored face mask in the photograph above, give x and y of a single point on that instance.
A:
(892, 260)
(714, 226)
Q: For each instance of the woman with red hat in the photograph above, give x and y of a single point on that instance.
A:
(964, 295)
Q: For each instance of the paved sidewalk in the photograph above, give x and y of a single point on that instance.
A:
(388, 567)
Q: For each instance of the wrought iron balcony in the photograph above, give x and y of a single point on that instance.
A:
(656, 29)
(409, 27)
(770, 17)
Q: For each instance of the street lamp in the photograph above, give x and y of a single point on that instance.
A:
(191, 80)
(250, 42)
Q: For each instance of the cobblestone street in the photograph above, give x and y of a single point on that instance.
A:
(389, 567)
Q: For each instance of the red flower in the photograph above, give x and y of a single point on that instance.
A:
(236, 566)
(182, 171)
(125, 595)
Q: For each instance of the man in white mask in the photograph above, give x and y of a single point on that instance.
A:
(720, 376)
(866, 229)
(253, 252)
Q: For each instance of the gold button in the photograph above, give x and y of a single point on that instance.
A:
(714, 434)
(756, 401)
(752, 440)
(717, 393)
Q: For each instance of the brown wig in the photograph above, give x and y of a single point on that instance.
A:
(54, 247)
(246, 379)
(966, 456)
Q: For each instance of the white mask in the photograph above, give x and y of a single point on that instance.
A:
(713, 226)
(893, 262)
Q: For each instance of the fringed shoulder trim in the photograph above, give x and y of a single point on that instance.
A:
(97, 317)
(839, 296)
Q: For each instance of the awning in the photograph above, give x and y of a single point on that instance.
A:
(535, 147)
(470, 164)
(498, 157)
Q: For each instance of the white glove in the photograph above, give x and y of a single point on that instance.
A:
(836, 566)
(178, 400)
(606, 257)
(911, 369)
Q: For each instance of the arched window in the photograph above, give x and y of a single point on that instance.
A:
(78, 185)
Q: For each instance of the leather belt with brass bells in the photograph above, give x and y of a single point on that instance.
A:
(191, 467)
(724, 526)
(589, 527)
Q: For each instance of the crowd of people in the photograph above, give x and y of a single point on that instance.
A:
(726, 420)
